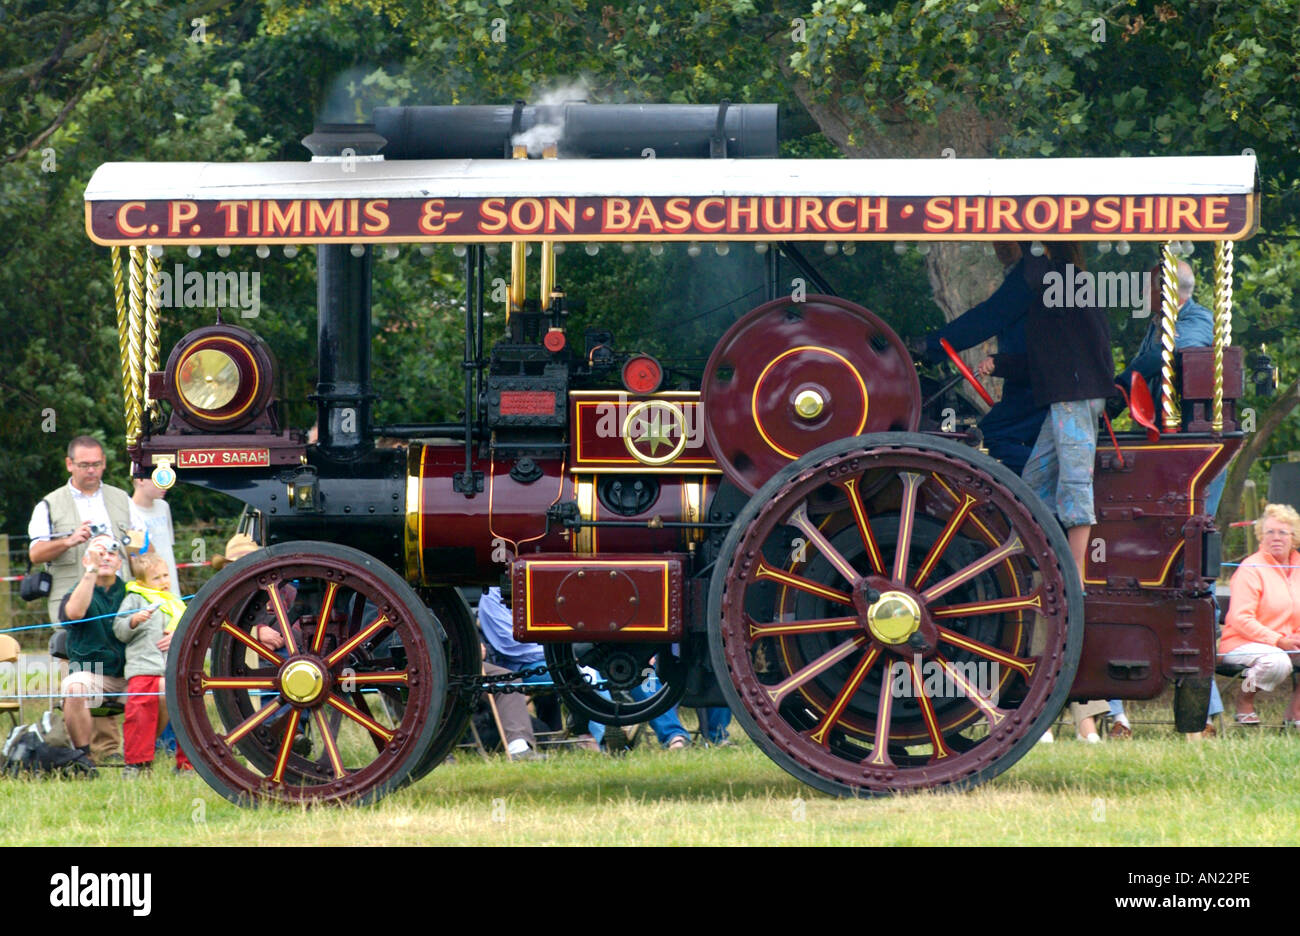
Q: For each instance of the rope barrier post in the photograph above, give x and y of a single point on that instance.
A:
(6, 607)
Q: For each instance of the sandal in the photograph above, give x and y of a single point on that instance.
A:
(1247, 718)
(678, 743)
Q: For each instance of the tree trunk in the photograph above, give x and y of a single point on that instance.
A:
(959, 278)
(1274, 416)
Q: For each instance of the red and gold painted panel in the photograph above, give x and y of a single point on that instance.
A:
(1143, 505)
(621, 432)
(619, 598)
(737, 217)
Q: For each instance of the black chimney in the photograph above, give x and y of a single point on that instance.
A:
(343, 393)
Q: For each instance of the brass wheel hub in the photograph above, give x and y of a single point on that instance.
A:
(894, 618)
(301, 681)
(809, 404)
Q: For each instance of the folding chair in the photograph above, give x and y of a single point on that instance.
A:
(9, 651)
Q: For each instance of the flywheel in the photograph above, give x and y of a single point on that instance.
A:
(791, 376)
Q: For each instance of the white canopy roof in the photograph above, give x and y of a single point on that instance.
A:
(465, 178)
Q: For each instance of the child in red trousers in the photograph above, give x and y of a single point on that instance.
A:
(148, 611)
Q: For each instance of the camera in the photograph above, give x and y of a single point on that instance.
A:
(99, 529)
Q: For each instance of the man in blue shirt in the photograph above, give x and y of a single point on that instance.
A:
(1194, 329)
(1011, 427)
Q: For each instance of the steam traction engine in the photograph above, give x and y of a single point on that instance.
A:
(883, 606)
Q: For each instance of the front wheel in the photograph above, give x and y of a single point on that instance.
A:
(895, 612)
(306, 673)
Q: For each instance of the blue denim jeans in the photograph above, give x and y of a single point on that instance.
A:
(1059, 469)
(714, 722)
(666, 726)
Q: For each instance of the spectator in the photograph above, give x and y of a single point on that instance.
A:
(1262, 628)
(151, 512)
(63, 522)
(96, 656)
(516, 721)
(1194, 328)
(147, 613)
(503, 651)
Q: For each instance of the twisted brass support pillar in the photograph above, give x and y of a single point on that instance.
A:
(1171, 419)
(1222, 323)
(135, 345)
(123, 336)
(150, 362)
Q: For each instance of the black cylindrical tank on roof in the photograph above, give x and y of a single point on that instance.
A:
(591, 131)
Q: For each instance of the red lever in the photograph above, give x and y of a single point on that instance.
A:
(965, 371)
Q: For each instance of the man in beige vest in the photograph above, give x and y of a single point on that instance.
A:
(61, 526)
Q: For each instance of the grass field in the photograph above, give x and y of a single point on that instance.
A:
(1240, 789)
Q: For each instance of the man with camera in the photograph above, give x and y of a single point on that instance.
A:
(60, 530)
(66, 518)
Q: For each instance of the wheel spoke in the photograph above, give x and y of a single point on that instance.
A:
(981, 700)
(277, 604)
(378, 679)
(832, 716)
(974, 608)
(802, 584)
(323, 618)
(248, 724)
(365, 721)
(884, 717)
(949, 530)
(864, 526)
(327, 738)
(1019, 664)
(257, 647)
(800, 519)
(286, 746)
(1013, 546)
(208, 683)
(357, 640)
(820, 665)
(941, 749)
(812, 626)
(906, 522)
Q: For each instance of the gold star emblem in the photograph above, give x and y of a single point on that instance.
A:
(649, 425)
(656, 434)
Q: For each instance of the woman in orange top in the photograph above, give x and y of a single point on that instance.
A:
(1263, 620)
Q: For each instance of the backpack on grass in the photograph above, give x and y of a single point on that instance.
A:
(26, 753)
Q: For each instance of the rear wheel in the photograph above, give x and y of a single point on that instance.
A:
(895, 612)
